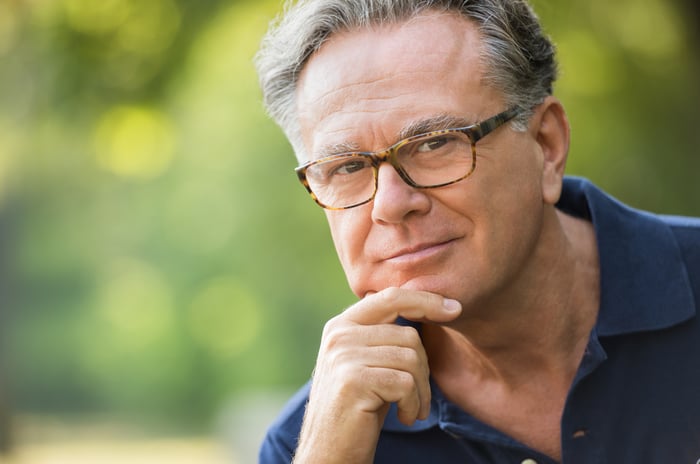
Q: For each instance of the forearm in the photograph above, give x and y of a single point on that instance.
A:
(330, 438)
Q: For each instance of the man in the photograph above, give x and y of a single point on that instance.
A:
(506, 314)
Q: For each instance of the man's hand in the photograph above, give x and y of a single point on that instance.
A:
(366, 362)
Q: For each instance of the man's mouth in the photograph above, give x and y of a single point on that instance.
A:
(419, 252)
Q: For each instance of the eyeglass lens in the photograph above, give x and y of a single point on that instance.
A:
(428, 161)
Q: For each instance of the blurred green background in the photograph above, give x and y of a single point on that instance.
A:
(157, 257)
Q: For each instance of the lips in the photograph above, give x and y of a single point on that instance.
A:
(420, 251)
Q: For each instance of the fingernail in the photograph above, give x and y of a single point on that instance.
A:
(451, 306)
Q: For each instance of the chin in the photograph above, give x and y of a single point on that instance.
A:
(434, 283)
(430, 283)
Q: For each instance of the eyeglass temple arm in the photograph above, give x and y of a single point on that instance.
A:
(484, 128)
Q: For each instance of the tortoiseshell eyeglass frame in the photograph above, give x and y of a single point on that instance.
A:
(474, 132)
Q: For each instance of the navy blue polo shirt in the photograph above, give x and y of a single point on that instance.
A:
(636, 396)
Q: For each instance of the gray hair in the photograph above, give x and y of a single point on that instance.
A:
(518, 57)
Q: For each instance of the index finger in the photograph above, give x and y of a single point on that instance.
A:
(386, 306)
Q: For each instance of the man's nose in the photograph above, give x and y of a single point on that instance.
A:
(395, 199)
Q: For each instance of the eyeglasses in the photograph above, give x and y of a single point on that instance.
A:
(431, 160)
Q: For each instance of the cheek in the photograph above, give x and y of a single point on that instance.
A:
(517, 226)
(507, 211)
(349, 229)
(515, 209)
(513, 184)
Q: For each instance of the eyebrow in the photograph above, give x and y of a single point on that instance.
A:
(433, 123)
(421, 126)
(337, 149)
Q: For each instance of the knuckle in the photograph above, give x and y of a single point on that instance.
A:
(404, 382)
(350, 376)
(333, 338)
(410, 357)
(332, 324)
(335, 329)
(411, 336)
(336, 337)
(390, 295)
(431, 300)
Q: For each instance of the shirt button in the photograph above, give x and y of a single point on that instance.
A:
(529, 461)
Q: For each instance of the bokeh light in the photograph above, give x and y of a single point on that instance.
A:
(135, 142)
(225, 317)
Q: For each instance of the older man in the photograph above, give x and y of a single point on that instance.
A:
(505, 314)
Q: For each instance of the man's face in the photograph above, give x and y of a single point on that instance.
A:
(465, 241)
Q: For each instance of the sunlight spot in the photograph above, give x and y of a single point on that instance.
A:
(151, 28)
(136, 303)
(95, 17)
(225, 317)
(587, 67)
(650, 28)
(135, 142)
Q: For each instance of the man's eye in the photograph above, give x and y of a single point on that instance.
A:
(349, 167)
(433, 144)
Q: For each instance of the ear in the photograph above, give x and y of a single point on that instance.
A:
(550, 127)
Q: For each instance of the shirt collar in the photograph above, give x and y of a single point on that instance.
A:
(393, 424)
(644, 281)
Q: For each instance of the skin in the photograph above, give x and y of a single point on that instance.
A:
(505, 285)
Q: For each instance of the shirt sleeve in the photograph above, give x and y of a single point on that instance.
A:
(280, 442)
(275, 450)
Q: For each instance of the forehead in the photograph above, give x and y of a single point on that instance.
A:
(365, 86)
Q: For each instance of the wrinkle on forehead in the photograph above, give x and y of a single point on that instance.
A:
(356, 91)
(366, 88)
(358, 57)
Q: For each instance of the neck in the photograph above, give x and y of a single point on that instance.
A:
(540, 324)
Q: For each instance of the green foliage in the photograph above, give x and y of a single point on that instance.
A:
(158, 252)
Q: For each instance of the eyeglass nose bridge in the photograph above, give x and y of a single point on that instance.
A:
(389, 156)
